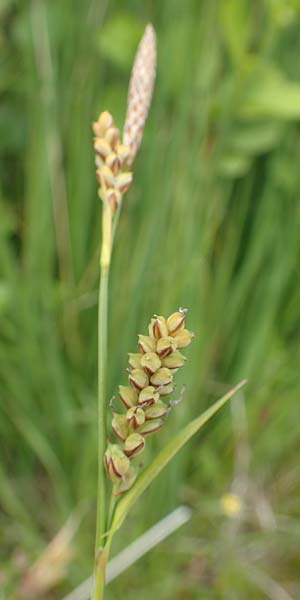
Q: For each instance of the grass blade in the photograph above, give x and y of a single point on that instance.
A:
(163, 458)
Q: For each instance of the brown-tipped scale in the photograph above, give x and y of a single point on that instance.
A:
(138, 378)
(150, 362)
(134, 445)
(128, 395)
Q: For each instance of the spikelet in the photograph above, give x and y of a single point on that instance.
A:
(140, 92)
(151, 378)
(111, 157)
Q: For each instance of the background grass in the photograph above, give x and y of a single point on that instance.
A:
(212, 222)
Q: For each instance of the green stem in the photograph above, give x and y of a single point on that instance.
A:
(102, 365)
(99, 575)
(111, 510)
(100, 569)
(100, 554)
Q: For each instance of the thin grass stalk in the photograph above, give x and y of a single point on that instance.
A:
(100, 562)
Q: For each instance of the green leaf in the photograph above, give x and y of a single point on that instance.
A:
(162, 459)
(270, 94)
(233, 165)
(236, 22)
(119, 38)
(255, 137)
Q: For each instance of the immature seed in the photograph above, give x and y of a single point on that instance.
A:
(134, 445)
(176, 320)
(146, 343)
(174, 361)
(157, 410)
(166, 346)
(126, 482)
(165, 390)
(158, 327)
(120, 426)
(138, 378)
(128, 395)
(135, 360)
(135, 417)
(116, 462)
(150, 363)
(162, 377)
(183, 338)
(148, 396)
(151, 426)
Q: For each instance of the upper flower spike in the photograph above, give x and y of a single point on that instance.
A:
(113, 157)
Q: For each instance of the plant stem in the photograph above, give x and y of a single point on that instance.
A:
(106, 247)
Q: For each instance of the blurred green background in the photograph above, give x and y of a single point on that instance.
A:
(212, 222)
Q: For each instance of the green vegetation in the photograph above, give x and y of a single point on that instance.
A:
(212, 222)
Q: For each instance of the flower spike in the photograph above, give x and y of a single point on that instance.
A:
(150, 375)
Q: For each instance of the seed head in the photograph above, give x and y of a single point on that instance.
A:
(151, 378)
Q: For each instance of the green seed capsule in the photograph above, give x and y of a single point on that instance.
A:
(135, 360)
(134, 444)
(158, 327)
(174, 361)
(135, 417)
(120, 426)
(166, 389)
(151, 426)
(176, 321)
(146, 343)
(162, 377)
(128, 395)
(138, 378)
(150, 363)
(148, 396)
(183, 338)
(116, 462)
(166, 346)
(156, 411)
(126, 482)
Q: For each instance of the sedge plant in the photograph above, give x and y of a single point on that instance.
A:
(147, 399)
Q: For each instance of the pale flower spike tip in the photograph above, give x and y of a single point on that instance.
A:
(140, 92)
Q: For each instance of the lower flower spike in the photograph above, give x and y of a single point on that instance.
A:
(151, 372)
